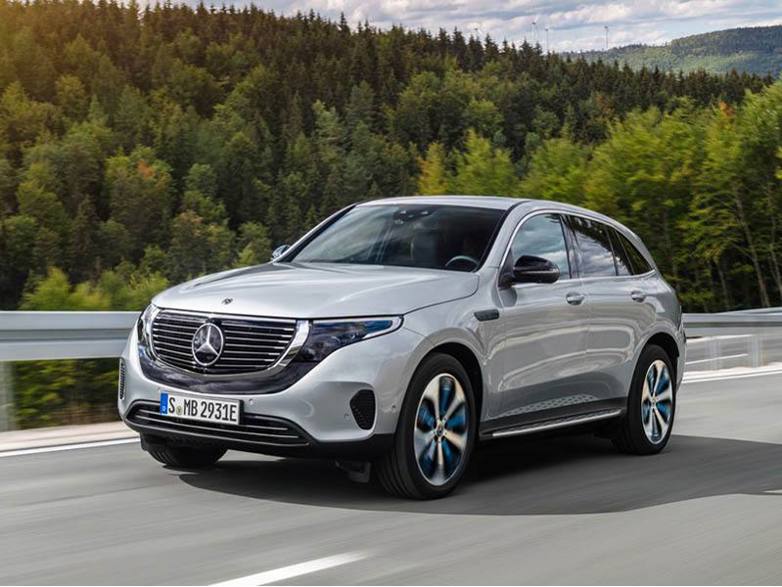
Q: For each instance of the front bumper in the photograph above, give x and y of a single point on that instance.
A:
(311, 417)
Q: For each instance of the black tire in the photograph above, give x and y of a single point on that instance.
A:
(185, 457)
(630, 436)
(398, 471)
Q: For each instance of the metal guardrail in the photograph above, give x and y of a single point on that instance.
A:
(91, 335)
(739, 323)
(63, 335)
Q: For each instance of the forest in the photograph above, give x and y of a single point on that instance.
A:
(141, 147)
(750, 49)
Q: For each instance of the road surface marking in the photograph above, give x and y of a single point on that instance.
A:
(61, 447)
(283, 573)
(696, 379)
(722, 357)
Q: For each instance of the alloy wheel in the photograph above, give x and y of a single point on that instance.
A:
(657, 402)
(441, 429)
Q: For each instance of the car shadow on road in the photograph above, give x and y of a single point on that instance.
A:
(567, 475)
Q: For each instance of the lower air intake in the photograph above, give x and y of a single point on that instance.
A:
(363, 407)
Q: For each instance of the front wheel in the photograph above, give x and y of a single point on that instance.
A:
(646, 427)
(435, 434)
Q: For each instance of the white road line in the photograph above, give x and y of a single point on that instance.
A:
(283, 573)
(61, 447)
(693, 379)
(717, 358)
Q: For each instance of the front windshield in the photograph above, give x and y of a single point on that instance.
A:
(415, 235)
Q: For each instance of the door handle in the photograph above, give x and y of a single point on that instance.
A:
(638, 296)
(574, 298)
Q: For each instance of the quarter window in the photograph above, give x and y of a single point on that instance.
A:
(597, 257)
(638, 262)
(542, 236)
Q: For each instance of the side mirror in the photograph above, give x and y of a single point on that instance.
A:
(276, 253)
(531, 269)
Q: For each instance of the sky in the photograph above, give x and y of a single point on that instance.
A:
(572, 25)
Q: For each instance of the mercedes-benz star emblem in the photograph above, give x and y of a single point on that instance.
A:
(207, 344)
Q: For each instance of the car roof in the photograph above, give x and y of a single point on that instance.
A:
(495, 202)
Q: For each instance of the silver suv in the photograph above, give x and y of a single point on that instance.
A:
(399, 333)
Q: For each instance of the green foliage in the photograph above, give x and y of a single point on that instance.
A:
(434, 178)
(254, 244)
(557, 171)
(484, 169)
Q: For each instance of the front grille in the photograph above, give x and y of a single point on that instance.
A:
(251, 344)
(261, 430)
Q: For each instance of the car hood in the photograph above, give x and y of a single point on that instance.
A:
(295, 290)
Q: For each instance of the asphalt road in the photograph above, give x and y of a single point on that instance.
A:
(569, 510)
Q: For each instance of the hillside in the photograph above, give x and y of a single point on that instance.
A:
(753, 50)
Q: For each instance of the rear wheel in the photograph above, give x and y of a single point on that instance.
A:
(435, 434)
(647, 425)
(185, 457)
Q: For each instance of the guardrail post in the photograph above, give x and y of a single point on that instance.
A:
(6, 398)
(714, 353)
(755, 355)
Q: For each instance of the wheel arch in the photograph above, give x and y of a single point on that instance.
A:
(671, 347)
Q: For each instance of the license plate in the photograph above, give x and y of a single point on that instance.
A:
(205, 409)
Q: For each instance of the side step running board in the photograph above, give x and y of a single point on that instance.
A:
(554, 424)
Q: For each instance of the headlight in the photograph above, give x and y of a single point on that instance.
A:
(326, 336)
(144, 325)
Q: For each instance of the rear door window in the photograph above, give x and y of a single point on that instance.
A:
(594, 244)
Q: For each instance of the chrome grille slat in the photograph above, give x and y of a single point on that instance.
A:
(181, 323)
(251, 344)
(257, 333)
(170, 330)
(173, 341)
(259, 339)
(256, 323)
(244, 354)
(174, 350)
(238, 346)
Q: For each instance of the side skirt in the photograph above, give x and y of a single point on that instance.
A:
(555, 424)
